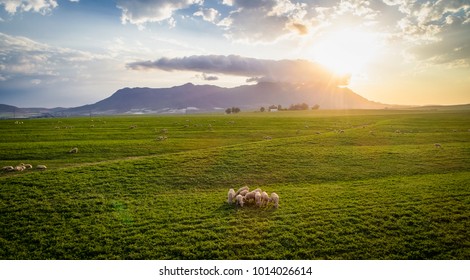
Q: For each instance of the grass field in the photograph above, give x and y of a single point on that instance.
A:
(353, 185)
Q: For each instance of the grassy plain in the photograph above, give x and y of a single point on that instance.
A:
(380, 189)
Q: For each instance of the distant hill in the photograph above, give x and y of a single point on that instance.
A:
(209, 98)
(442, 107)
(8, 111)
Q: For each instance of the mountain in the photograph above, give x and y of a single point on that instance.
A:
(209, 98)
(8, 111)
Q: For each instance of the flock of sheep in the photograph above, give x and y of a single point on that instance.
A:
(22, 167)
(256, 197)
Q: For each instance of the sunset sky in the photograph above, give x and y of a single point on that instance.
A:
(75, 52)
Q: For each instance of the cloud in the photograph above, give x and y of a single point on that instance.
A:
(207, 77)
(436, 31)
(21, 58)
(140, 12)
(39, 6)
(265, 20)
(210, 15)
(292, 71)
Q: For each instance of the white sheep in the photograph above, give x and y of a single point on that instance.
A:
(264, 198)
(244, 192)
(8, 168)
(250, 196)
(73, 150)
(20, 168)
(27, 166)
(258, 199)
(275, 199)
(242, 189)
(41, 167)
(231, 196)
(161, 138)
(239, 200)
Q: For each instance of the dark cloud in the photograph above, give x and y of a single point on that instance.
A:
(293, 71)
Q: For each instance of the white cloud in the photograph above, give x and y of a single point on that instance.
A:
(140, 12)
(210, 15)
(23, 57)
(436, 31)
(265, 20)
(39, 6)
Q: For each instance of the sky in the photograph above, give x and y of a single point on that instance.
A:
(65, 53)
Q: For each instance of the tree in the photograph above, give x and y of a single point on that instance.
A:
(316, 107)
(262, 109)
(228, 111)
(235, 110)
(302, 106)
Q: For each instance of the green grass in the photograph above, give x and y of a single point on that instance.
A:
(366, 193)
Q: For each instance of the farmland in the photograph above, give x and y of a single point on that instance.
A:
(353, 185)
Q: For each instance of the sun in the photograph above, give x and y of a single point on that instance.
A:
(346, 51)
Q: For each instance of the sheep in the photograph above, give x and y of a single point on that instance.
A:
(437, 145)
(8, 168)
(239, 200)
(275, 199)
(244, 192)
(264, 198)
(161, 138)
(267, 138)
(27, 166)
(73, 150)
(258, 199)
(242, 189)
(19, 168)
(41, 167)
(250, 196)
(257, 190)
(231, 196)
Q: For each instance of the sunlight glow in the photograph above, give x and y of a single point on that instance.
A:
(345, 51)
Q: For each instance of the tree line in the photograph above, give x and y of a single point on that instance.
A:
(233, 110)
(292, 107)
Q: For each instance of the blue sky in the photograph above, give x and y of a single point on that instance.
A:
(70, 53)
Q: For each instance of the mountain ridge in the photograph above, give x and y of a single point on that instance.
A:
(211, 98)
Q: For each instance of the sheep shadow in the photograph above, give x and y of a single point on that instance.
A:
(249, 209)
